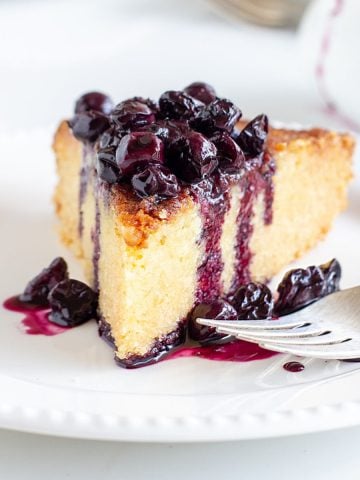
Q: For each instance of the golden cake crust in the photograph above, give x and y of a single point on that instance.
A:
(143, 216)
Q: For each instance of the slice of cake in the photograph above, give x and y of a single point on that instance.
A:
(174, 204)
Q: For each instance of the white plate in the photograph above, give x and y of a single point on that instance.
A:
(69, 385)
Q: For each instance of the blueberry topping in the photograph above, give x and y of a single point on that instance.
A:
(203, 92)
(72, 303)
(231, 158)
(88, 126)
(221, 114)
(110, 138)
(94, 101)
(155, 180)
(302, 286)
(37, 290)
(192, 132)
(332, 274)
(137, 149)
(253, 301)
(217, 310)
(146, 101)
(193, 157)
(106, 168)
(131, 114)
(178, 105)
(253, 136)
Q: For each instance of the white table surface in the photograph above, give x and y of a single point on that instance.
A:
(50, 53)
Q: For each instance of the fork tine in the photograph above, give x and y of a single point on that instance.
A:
(279, 324)
(329, 339)
(303, 331)
(338, 351)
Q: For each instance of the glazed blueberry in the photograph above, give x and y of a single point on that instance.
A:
(253, 136)
(217, 310)
(72, 303)
(155, 180)
(94, 101)
(178, 105)
(111, 138)
(88, 126)
(332, 274)
(202, 91)
(231, 158)
(192, 157)
(302, 286)
(37, 290)
(147, 101)
(221, 114)
(137, 149)
(106, 168)
(131, 114)
(253, 301)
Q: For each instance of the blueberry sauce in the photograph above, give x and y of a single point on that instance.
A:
(85, 172)
(253, 185)
(95, 236)
(293, 367)
(214, 202)
(236, 351)
(36, 320)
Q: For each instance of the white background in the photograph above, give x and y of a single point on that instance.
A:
(50, 52)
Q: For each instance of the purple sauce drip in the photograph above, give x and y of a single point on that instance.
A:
(293, 367)
(236, 351)
(252, 185)
(95, 235)
(213, 212)
(36, 318)
(84, 179)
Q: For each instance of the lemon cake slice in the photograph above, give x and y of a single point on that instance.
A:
(177, 203)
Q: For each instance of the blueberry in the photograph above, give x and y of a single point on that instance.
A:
(88, 126)
(159, 128)
(72, 303)
(155, 180)
(131, 114)
(217, 310)
(332, 274)
(302, 286)
(110, 138)
(192, 157)
(253, 136)
(221, 114)
(253, 301)
(137, 149)
(178, 105)
(37, 290)
(147, 101)
(94, 101)
(231, 158)
(106, 166)
(203, 92)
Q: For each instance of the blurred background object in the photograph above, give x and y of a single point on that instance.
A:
(52, 52)
(329, 37)
(271, 13)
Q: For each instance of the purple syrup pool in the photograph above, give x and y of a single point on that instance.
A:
(293, 367)
(237, 351)
(36, 320)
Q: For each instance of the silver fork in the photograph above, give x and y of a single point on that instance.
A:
(328, 328)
